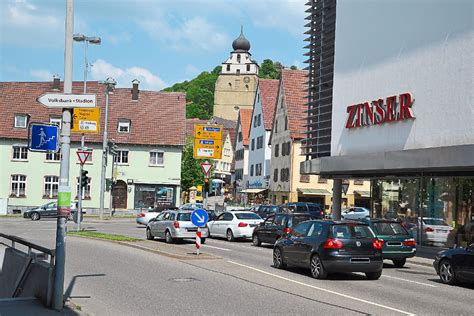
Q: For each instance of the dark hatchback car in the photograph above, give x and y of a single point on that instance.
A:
(455, 265)
(276, 226)
(302, 207)
(265, 211)
(331, 246)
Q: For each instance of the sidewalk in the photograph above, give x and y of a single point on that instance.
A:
(32, 306)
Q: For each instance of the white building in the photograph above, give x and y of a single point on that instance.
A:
(242, 152)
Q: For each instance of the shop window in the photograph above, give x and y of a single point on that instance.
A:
(18, 185)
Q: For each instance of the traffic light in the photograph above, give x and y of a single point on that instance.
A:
(84, 178)
(206, 186)
(113, 148)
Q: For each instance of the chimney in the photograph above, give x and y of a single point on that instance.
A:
(135, 90)
(56, 82)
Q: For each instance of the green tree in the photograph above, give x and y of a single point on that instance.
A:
(191, 172)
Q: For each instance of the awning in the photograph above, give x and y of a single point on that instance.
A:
(314, 191)
(362, 193)
(253, 190)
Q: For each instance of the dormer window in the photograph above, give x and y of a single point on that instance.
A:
(21, 120)
(123, 126)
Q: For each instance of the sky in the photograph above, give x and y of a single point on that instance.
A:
(159, 42)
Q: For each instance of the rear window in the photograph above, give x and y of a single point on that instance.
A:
(434, 221)
(300, 218)
(301, 209)
(185, 217)
(389, 229)
(314, 208)
(349, 231)
(247, 216)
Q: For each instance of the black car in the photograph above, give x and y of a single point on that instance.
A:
(331, 246)
(302, 207)
(265, 211)
(276, 226)
(455, 265)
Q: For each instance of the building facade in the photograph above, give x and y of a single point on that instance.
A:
(241, 154)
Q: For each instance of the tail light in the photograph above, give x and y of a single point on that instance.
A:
(322, 214)
(333, 244)
(287, 230)
(409, 242)
(241, 224)
(142, 215)
(176, 224)
(378, 244)
(429, 230)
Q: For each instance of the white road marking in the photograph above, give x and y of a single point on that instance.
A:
(420, 283)
(324, 290)
(207, 246)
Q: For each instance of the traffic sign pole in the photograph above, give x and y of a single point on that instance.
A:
(79, 198)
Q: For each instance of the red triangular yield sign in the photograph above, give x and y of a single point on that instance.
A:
(206, 168)
(83, 155)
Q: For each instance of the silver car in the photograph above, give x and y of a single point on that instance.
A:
(355, 213)
(174, 225)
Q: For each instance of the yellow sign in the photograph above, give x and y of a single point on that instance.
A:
(86, 120)
(204, 131)
(207, 148)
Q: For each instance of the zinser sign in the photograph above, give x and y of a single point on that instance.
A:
(380, 111)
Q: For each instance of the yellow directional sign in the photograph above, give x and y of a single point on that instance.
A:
(204, 131)
(207, 148)
(86, 120)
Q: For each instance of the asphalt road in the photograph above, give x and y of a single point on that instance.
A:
(109, 279)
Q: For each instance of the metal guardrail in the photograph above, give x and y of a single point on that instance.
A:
(31, 258)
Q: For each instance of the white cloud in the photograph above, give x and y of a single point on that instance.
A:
(42, 74)
(148, 81)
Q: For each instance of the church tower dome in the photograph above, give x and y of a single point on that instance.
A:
(241, 44)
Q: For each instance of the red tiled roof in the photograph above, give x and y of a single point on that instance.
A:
(157, 118)
(268, 93)
(295, 96)
(245, 116)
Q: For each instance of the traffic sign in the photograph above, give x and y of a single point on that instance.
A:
(62, 100)
(206, 168)
(43, 137)
(83, 155)
(86, 120)
(206, 148)
(205, 131)
(199, 217)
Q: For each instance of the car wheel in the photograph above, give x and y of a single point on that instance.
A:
(446, 272)
(203, 241)
(278, 259)
(399, 263)
(373, 275)
(256, 241)
(168, 237)
(317, 269)
(149, 235)
(35, 216)
(230, 235)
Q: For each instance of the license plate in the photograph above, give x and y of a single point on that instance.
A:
(394, 243)
(441, 231)
(191, 229)
(253, 225)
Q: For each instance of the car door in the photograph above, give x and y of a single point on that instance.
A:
(51, 210)
(264, 230)
(304, 248)
(296, 237)
(161, 225)
(227, 221)
(276, 230)
(214, 227)
(466, 263)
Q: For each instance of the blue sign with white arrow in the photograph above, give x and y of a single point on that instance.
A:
(199, 217)
(43, 137)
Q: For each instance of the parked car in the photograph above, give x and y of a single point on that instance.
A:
(355, 213)
(232, 225)
(302, 207)
(47, 210)
(264, 211)
(331, 246)
(455, 265)
(254, 208)
(398, 243)
(191, 206)
(434, 231)
(276, 226)
(144, 217)
(174, 225)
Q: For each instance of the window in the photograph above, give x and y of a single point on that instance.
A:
(240, 136)
(228, 67)
(124, 126)
(251, 170)
(238, 71)
(157, 158)
(277, 149)
(55, 120)
(20, 153)
(259, 142)
(259, 119)
(21, 120)
(275, 175)
(284, 174)
(258, 169)
(279, 219)
(18, 188)
(86, 191)
(301, 229)
(228, 217)
(276, 126)
(248, 67)
(315, 230)
(51, 184)
(239, 174)
(238, 58)
(286, 123)
(321, 180)
(253, 143)
(304, 178)
(55, 156)
(255, 122)
(121, 157)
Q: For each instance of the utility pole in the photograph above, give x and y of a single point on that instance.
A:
(64, 194)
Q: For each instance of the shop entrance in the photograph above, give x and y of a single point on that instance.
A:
(362, 202)
(119, 194)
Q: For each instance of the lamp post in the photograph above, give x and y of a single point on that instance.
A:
(110, 86)
(93, 40)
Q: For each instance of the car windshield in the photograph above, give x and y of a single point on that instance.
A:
(247, 216)
(349, 231)
(434, 221)
(386, 228)
(186, 217)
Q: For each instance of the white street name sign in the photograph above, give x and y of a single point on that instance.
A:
(57, 100)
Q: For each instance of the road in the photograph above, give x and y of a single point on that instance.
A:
(110, 279)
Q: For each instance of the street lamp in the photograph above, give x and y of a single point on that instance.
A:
(93, 40)
(110, 84)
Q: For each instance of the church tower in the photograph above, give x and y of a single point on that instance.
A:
(237, 82)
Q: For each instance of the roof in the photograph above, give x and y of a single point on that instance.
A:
(294, 84)
(152, 117)
(245, 116)
(190, 125)
(268, 93)
(229, 127)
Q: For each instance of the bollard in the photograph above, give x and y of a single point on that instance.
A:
(198, 240)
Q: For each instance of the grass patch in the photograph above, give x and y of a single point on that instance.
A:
(103, 236)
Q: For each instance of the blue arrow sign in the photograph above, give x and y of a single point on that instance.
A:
(44, 137)
(199, 217)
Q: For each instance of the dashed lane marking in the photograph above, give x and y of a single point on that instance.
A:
(324, 290)
(207, 246)
(400, 279)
